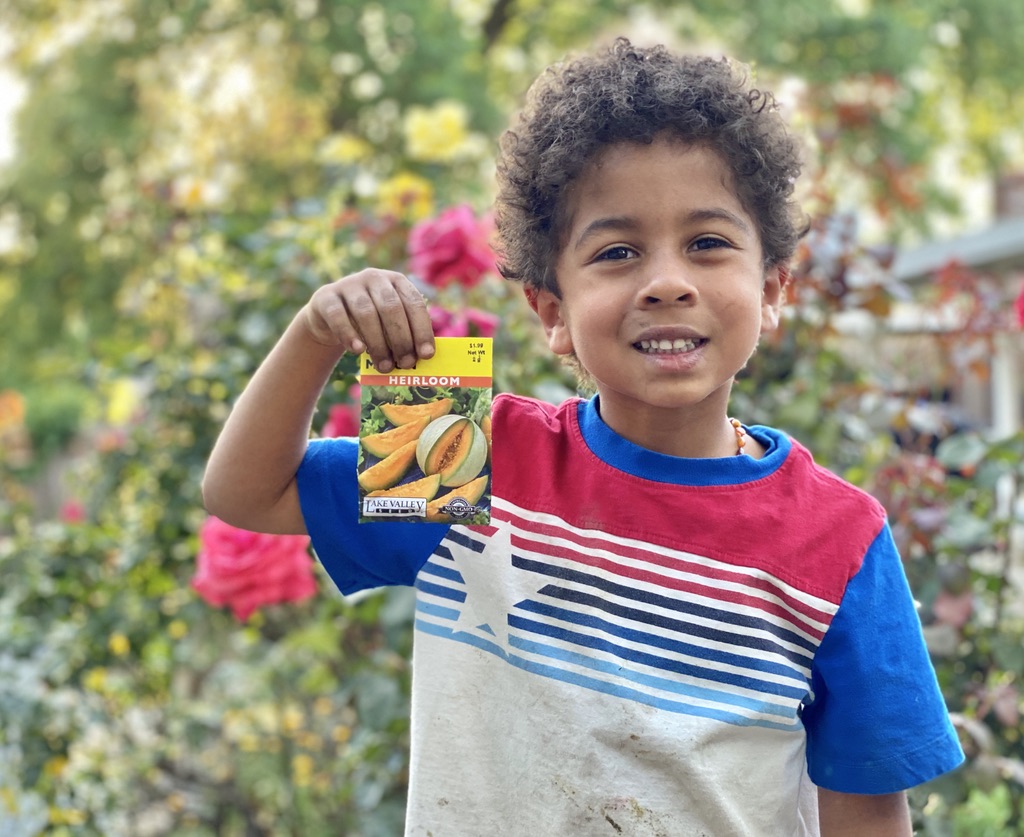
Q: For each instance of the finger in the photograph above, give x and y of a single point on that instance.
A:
(362, 312)
(418, 315)
(394, 321)
(328, 320)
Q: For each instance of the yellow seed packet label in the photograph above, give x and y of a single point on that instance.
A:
(425, 437)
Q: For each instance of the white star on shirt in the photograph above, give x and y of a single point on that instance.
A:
(493, 586)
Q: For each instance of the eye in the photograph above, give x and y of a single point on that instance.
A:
(709, 242)
(616, 253)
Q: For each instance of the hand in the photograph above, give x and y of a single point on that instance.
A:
(376, 311)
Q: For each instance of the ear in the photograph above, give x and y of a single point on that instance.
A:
(772, 295)
(549, 309)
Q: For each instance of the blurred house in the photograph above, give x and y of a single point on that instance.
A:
(990, 393)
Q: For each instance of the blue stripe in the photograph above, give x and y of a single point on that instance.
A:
(439, 590)
(661, 641)
(596, 685)
(462, 636)
(437, 610)
(686, 689)
(678, 604)
(442, 572)
(679, 667)
(462, 539)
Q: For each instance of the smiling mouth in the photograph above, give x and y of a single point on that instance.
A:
(664, 347)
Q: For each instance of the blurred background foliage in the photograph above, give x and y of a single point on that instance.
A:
(188, 171)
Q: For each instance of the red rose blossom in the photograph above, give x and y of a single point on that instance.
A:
(247, 570)
(447, 324)
(343, 419)
(454, 247)
(470, 322)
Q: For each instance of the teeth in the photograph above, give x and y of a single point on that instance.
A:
(667, 345)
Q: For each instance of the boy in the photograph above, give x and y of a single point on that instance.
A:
(675, 624)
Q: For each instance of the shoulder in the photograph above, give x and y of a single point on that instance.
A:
(520, 408)
(824, 489)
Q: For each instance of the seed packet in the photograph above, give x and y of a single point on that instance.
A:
(425, 437)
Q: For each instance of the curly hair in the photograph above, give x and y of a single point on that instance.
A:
(632, 94)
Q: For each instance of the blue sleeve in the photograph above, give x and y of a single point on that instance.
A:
(356, 555)
(877, 722)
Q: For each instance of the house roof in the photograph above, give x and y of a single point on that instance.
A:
(995, 248)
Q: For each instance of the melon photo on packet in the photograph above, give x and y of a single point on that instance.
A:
(425, 437)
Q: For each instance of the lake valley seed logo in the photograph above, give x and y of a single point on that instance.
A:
(394, 507)
(459, 508)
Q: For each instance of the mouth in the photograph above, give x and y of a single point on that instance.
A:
(677, 346)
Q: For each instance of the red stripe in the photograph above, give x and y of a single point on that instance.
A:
(678, 564)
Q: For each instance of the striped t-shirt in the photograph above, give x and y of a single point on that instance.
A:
(642, 644)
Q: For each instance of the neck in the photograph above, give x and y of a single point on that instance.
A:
(695, 435)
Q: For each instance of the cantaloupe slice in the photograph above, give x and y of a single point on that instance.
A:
(386, 443)
(471, 492)
(399, 414)
(390, 470)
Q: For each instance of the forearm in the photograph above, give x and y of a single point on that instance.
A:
(249, 480)
(853, 815)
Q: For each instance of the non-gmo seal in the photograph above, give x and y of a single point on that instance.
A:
(459, 508)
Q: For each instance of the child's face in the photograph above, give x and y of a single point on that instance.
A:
(663, 291)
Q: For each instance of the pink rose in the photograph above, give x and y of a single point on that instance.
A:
(246, 570)
(447, 324)
(482, 324)
(343, 419)
(470, 322)
(1019, 307)
(454, 247)
(72, 512)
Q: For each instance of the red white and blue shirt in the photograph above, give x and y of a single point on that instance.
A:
(641, 644)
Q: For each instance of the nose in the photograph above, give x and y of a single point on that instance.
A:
(667, 280)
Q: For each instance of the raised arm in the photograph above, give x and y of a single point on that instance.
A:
(250, 476)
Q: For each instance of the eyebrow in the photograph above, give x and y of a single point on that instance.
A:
(617, 222)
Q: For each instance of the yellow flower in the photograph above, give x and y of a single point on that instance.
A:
(343, 149)
(302, 769)
(119, 644)
(66, 816)
(123, 402)
(292, 719)
(95, 679)
(55, 766)
(437, 134)
(177, 629)
(406, 196)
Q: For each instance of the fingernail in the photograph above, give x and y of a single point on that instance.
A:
(384, 365)
(426, 350)
(407, 362)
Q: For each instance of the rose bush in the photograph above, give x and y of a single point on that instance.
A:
(454, 247)
(466, 322)
(343, 419)
(247, 570)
